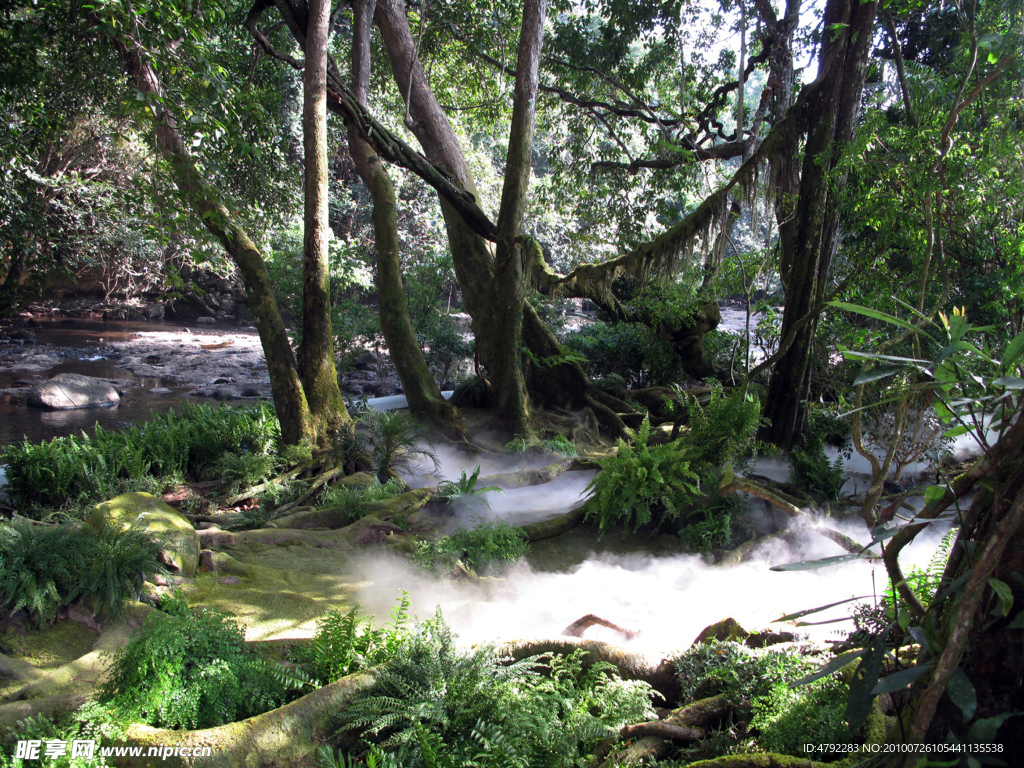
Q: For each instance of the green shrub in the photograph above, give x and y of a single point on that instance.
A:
(722, 429)
(642, 483)
(785, 717)
(391, 440)
(715, 530)
(813, 472)
(444, 347)
(243, 470)
(80, 470)
(630, 350)
(726, 667)
(490, 547)
(89, 722)
(352, 499)
(45, 569)
(191, 670)
(561, 445)
(435, 704)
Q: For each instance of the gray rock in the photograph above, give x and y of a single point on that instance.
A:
(69, 391)
(154, 311)
(23, 335)
(206, 320)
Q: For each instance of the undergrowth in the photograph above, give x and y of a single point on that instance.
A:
(192, 669)
(490, 547)
(436, 704)
(352, 499)
(82, 469)
(44, 569)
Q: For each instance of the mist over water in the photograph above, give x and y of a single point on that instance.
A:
(640, 584)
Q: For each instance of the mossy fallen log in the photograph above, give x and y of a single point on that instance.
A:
(284, 738)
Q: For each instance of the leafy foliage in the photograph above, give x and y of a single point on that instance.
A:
(391, 440)
(437, 705)
(641, 482)
(74, 469)
(45, 569)
(561, 445)
(813, 471)
(630, 350)
(190, 670)
(722, 428)
(464, 493)
(347, 642)
(490, 546)
(352, 499)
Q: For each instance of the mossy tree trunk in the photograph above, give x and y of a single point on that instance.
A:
(421, 389)
(316, 354)
(512, 407)
(289, 396)
(809, 235)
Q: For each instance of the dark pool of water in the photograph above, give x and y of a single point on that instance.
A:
(84, 346)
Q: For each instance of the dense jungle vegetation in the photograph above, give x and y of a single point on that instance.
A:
(848, 174)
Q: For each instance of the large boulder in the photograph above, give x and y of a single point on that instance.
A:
(179, 543)
(68, 391)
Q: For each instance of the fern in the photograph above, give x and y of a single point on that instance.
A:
(642, 481)
(435, 704)
(813, 471)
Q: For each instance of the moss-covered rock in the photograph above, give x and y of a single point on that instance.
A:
(179, 544)
(726, 629)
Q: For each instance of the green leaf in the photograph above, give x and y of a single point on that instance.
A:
(984, 731)
(897, 681)
(858, 703)
(934, 493)
(875, 314)
(881, 372)
(809, 611)
(961, 692)
(834, 665)
(1018, 622)
(1002, 589)
(811, 565)
(1009, 382)
(1013, 350)
(956, 431)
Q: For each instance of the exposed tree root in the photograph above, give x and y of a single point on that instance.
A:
(685, 724)
(731, 483)
(556, 526)
(526, 477)
(770, 760)
(582, 624)
(315, 485)
(13, 713)
(83, 675)
(257, 489)
(282, 737)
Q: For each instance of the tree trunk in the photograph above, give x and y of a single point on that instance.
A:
(289, 397)
(316, 354)
(990, 546)
(421, 389)
(809, 235)
(511, 407)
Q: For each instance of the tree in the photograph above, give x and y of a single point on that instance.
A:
(298, 422)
